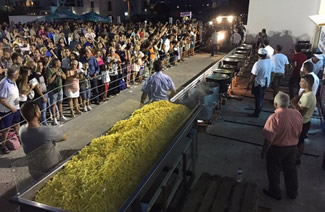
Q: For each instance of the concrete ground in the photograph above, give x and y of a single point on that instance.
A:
(82, 129)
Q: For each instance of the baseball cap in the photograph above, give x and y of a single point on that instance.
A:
(262, 51)
(319, 56)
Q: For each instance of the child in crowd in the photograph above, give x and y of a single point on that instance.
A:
(187, 47)
(113, 69)
(141, 68)
(146, 67)
(135, 70)
(106, 79)
(85, 87)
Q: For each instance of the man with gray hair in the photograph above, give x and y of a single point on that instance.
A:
(9, 105)
(281, 135)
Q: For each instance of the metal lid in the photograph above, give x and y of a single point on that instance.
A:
(224, 71)
(238, 56)
(231, 59)
(241, 52)
(218, 76)
(227, 66)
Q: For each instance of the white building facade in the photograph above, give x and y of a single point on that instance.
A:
(286, 22)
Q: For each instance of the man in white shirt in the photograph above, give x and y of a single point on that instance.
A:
(261, 78)
(308, 68)
(268, 48)
(9, 105)
(317, 61)
(235, 39)
(280, 62)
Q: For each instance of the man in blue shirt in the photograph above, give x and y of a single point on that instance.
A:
(94, 72)
(157, 87)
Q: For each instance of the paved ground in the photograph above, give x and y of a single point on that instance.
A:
(82, 129)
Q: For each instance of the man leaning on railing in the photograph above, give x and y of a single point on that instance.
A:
(9, 105)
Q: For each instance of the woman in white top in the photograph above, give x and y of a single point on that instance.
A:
(71, 87)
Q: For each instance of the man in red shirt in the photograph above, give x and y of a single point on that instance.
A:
(281, 135)
(296, 61)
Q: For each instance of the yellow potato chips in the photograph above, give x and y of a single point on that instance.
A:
(103, 174)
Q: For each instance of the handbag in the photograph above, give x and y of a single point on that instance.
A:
(13, 142)
(122, 84)
(31, 95)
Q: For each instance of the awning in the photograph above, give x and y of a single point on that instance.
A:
(94, 17)
(319, 20)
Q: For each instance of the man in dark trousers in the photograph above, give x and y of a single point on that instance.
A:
(281, 135)
(260, 80)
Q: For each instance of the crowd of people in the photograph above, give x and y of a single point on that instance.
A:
(81, 63)
(285, 130)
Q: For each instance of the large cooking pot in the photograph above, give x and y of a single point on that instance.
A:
(222, 79)
(213, 86)
(232, 61)
(228, 66)
(206, 112)
(229, 72)
(239, 56)
(208, 100)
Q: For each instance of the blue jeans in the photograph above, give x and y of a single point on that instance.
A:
(213, 49)
(258, 93)
(42, 106)
(95, 90)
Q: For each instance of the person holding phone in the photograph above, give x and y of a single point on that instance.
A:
(41, 97)
(39, 142)
(54, 76)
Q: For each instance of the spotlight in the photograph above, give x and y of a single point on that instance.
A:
(219, 19)
(230, 19)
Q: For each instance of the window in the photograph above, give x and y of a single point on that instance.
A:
(109, 6)
(80, 3)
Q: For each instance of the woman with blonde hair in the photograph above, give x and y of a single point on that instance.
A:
(71, 87)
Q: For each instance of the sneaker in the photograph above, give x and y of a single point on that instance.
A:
(63, 118)
(85, 109)
(5, 150)
(89, 108)
(254, 115)
(45, 124)
(268, 193)
(55, 122)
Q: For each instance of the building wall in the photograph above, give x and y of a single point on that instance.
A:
(118, 9)
(87, 7)
(23, 19)
(101, 7)
(285, 21)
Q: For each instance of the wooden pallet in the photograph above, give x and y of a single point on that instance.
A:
(213, 193)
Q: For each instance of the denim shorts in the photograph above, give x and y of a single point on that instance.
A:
(56, 97)
(9, 119)
(85, 95)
